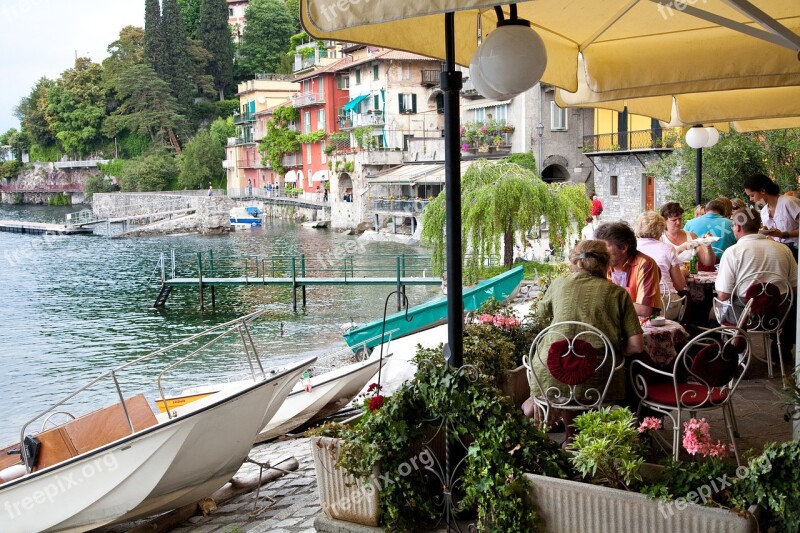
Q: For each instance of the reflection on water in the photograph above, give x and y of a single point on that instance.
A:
(73, 307)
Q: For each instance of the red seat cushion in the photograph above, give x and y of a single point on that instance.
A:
(691, 395)
(766, 297)
(572, 367)
(714, 366)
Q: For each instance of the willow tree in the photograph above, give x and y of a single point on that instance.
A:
(499, 199)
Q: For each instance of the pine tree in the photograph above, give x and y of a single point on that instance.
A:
(177, 72)
(153, 39)
(215, 34)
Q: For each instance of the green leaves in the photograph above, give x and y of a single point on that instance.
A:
(280, 140)
(266, 35)
(200, 164)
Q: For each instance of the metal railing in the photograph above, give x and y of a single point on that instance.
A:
(306, 99)
(402, 206)
(629, 140)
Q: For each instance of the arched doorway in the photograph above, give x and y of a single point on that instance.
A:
(555, 173)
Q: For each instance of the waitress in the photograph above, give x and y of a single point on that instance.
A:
(779, 214)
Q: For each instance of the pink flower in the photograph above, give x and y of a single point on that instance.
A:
(697, 439)
(485, 319)
(650, 423)
(375, 403)
(511, 323)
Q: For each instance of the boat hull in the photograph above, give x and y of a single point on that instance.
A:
(434, 312)
(171, 464)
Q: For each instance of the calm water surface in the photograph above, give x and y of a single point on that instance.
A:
(72, 307)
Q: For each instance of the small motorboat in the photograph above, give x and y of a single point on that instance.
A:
(124, 462)
(246, 217)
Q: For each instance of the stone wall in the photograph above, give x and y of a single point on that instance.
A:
(39, 182)
(630, 171)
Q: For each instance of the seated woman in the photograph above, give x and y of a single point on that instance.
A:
(683, 241)
(586, 295)
(649, 228)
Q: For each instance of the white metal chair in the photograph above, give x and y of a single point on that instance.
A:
(673, 306)
(581, 361)
(705, 376)
(772, 297)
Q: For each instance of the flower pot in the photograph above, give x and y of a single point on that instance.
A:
(516, 386)
(341, 496)
(568, 506)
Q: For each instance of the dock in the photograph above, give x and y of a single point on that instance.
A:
(40, 228)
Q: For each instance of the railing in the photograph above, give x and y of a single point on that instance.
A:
(355, 120)
(402, 206)
(629, 140)
(89, 163)
(243, 119)
(431, 77)
(292, 160)
(86, 216)
(306, 99)
(250, 163)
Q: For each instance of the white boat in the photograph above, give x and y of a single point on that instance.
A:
(122, 463)
(246, 217)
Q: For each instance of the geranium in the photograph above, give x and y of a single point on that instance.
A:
(697, 439)
(376, 402)
(465, 147)
(374, 387)
(650, 423)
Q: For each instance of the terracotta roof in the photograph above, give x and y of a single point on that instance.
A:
(407, 56)
(333, 67)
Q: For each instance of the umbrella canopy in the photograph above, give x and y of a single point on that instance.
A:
(630, 48)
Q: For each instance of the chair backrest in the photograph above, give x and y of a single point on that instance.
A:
(714, 361)
(771, 295)
(671, 299)
(570, 365)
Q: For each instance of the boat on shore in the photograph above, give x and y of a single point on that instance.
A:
(432, 313)
(246, 217)
(124, 461)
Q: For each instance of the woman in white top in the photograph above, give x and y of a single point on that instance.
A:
(649, 228)
(683, 241)
(780, 214)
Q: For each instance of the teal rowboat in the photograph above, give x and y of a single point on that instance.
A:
(434, 312)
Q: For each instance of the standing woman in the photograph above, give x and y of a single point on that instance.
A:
(683, 241)
(780, 213)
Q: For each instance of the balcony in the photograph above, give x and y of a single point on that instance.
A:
(430, 78)
(292, 160)
(356, 120)
(250, 163)
(630, 140)
(379, 157)
(399, 206)
(307, 99)
(240, 119)
(469, 91)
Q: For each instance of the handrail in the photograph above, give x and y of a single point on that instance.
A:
(114, 371)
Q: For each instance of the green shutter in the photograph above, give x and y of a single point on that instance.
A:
(400, 101)
(413, 103)
(375, 71)
(376, 99)
(358, 75)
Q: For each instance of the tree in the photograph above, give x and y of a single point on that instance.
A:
(152, 172)
(190, 12)
(201, 163)
(178, 68)
(200, 58)
(725, 166)
(124, 53)
(279, 140)
(215, 36)
(294, 10)
(148, 107)
(16, 141)
(154, 46)
(266, 36)
(32, 114)
(499, 199)
(223, 128)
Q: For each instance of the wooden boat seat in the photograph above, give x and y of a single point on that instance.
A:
(86, 433)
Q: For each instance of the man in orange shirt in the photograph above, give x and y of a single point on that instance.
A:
(636, 272)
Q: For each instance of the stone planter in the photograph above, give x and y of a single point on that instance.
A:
(343, 497)
(569, 506)
(516, 386)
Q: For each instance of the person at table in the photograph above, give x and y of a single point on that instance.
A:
(754, 252)
(587, 233)
(636, 272)
(586, 295)
(779, 214)
(683, 241)
(649, 228)
(715, 223)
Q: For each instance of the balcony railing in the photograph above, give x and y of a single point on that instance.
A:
(240, 119)
(629, 140)
(250, 163)
(292, 160)
(399, 206)
(430, 77)
(306, 99)
(355, 120)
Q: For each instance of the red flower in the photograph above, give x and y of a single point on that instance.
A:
(375, 402)
(373, 386)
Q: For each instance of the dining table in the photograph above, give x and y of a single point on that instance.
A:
(663, 342)
(700, 284)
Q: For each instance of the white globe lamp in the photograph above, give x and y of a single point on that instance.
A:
(513, 57)
(713, 136)
(480, 83)
(697, 137)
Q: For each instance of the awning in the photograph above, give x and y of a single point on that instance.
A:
(352, 105)
(485, 103)
(415, 174)
(320, 175)
(291, 177)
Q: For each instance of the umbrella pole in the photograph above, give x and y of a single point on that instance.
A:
(698, 184)
(450, 81)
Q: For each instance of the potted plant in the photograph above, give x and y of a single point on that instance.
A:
(396, 436)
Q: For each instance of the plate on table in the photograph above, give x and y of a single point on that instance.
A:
(706, 240)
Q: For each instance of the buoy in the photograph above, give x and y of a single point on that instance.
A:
(12, 472)
(307, 381)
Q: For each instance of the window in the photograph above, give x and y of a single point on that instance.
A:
(306, 87)
(343, 81)
(407, 71)
(379, 141)
(358, 75)
(480, 114)
(376, 102)
(501, 113)
(440, 103)
(408, 103)
(307, 122)
(230, 11)
(321, 119)
(406, 139)
(375, 71)
(613, 186)
(558, 118)
(324, 156)
(309, 159)
(321, 89)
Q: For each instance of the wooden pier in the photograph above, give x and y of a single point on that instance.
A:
(40, 228)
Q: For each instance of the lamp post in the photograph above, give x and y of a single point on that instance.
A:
(540, 132)
(698, 138)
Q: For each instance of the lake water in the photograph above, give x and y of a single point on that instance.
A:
(74, 306)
